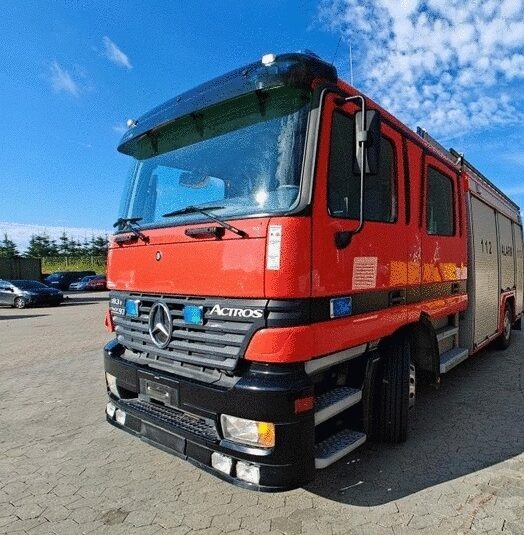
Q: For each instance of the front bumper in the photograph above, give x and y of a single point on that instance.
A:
(189, 425)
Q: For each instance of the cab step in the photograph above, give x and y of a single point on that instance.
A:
(451, 358)
(335, 401)
(336, 446)
(446, 332)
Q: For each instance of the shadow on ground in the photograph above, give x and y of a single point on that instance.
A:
(80, 300)
(22, 317)
(472, 421)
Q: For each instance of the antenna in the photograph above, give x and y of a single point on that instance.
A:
(351, 63)
(336, 50)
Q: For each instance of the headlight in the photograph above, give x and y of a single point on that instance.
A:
(261, 434)
(111, 384)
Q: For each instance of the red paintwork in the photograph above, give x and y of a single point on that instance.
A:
(311, 265)
(108, 322)
(293, 279)
(297, 344)
(232, 266)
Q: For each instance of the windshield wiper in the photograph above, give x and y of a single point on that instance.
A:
(129, 224)
(205, 211)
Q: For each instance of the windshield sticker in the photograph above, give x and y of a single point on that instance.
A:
(273, 247)
(364, 272)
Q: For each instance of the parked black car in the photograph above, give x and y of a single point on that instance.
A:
(22, 293)
(62, 279)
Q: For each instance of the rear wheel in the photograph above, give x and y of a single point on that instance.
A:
(20, 302)
(504, 340)
(396, 390)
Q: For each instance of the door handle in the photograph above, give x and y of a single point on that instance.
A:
(397, 297)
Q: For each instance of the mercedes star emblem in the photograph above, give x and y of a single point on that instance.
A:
(160, 325)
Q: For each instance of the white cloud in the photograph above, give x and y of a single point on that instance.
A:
(516, 158)
(21, 233)
(515, 190)
(120, 128)
(115, 55)
(62, 80)
(449, 65)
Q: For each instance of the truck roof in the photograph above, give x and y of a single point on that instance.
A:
(295, 69)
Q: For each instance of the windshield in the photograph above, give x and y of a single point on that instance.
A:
(240, 158)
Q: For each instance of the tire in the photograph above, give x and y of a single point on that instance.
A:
(504, 340)
(19, 302)
(396, 391)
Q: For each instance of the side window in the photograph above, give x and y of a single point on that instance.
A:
(344, 183)
(439, 204)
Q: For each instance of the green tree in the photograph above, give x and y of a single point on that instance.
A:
(64, 245)
(75, 248)
(98, 246)
(41, 245)
(8, 247)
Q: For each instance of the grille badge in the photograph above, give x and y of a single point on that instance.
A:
(160, 325)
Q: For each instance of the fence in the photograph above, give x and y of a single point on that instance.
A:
(73, 263)
(18, 267)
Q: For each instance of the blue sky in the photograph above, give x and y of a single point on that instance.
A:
(71, 73)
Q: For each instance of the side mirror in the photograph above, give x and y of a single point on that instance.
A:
(371, 144)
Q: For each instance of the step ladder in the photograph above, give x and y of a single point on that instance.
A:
(336, 446)
(450, 353)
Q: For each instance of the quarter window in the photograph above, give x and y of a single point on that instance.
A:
(439, 202)
(344, 181)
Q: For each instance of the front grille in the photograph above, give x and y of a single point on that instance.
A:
(218, 343)
(155, 413)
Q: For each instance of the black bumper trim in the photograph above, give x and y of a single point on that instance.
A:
(262, 393)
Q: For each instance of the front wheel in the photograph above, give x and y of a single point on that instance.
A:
(20, 302)
(504, 340)
(396, 390)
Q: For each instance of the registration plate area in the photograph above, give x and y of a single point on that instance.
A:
(117, 305)
(120, 306)
(151, 388)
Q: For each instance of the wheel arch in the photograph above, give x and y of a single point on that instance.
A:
(424, 348)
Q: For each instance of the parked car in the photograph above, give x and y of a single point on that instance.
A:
(22, 293)
(97, 283)
(81, 284)
(62, 279)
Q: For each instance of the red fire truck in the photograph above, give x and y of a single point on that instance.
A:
(290, 261)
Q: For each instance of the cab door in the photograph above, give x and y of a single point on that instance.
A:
(444, 249)
(370, 266)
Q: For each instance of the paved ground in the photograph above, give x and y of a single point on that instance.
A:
(64, 470)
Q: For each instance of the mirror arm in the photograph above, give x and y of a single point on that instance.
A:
(362, 139)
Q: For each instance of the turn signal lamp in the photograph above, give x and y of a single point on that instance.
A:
(251, 432)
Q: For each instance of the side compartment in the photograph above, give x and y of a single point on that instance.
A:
(519, 268)
(485, 274)
(507, 254)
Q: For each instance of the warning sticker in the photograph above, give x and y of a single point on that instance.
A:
(364, 272)
(273, 247)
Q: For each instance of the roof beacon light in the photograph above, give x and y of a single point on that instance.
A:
(268, 59)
